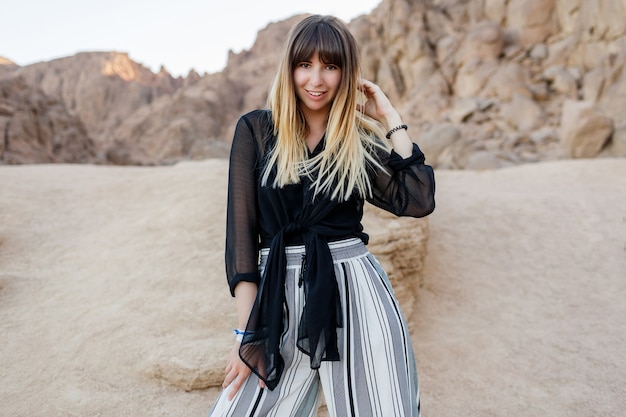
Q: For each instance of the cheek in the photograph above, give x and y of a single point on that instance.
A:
(336, 79)
(297, 77)
(335, 82)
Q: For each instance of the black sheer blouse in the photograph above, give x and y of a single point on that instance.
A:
(256, 213)
(262, 216)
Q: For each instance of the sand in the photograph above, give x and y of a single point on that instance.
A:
(108, 275)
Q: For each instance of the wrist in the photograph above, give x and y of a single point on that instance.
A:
(239, 334)
(392, 120)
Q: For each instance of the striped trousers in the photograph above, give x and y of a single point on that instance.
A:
(376, 375)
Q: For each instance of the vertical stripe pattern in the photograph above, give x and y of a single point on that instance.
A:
(376, 376)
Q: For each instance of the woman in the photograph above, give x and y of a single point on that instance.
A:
(317, 310)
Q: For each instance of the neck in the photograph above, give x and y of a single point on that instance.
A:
(316, 122)
(317, 127)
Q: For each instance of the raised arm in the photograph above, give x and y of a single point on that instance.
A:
(407, 185)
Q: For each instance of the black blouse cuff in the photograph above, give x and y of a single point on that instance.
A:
(397, 163)
(247, 277)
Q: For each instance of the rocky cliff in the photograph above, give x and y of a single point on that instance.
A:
(198, 121)
(6, 65)
(102, 89)
(37, 128)
(481, 83)
(499, 82)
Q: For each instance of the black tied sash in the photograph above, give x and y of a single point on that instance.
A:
(317, 333)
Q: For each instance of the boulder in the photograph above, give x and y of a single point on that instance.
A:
(399, 244)
(539, 52)
(612, 100)
(507, 80)
(584, 129)
(473, 76)
(463, 109)
(192, 369)
(436, 140)
(523, 113)
(561, 50)
(544, 135)
(445, 52)
(483, 41)
(617, 145)
(562, 81)
(495, 10)
(531, 20)
(601, 20)
(593, 84)
(568, 14)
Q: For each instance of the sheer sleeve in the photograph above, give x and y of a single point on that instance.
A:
(408, 186)
(242, 237)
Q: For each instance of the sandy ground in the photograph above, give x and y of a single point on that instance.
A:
(523, 311)
(109, 273)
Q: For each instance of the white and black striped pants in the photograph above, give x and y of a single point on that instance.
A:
(376, 375)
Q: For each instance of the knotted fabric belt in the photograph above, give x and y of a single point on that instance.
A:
(317, 332)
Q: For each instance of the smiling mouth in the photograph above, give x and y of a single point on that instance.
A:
(316, 93)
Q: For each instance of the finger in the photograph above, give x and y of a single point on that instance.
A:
(366, 84)
(237, 383)
(228, 379)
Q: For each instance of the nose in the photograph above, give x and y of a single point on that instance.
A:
(316, 78)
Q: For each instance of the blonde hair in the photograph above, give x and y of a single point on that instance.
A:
(351, 137)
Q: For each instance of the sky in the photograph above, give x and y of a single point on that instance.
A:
(180, 34)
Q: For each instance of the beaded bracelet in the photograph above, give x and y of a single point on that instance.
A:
(395, 129)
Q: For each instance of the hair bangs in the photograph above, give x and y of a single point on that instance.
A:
(323, 39)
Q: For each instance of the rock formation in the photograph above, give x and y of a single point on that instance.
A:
(37, 128)
(7, 66)
(499, 72)
(101, 89)
(492, 74)
(399, 243)
(198, 121)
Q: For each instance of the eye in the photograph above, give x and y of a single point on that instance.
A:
(332, 67)
(304, 65)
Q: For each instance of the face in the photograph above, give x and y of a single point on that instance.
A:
(316, 85)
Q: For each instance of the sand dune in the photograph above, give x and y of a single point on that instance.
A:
(110, 278)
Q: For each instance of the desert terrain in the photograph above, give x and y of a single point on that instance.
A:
(113, 300)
